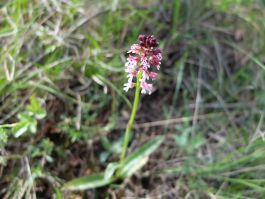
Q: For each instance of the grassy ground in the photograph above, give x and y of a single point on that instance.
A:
(66, 59)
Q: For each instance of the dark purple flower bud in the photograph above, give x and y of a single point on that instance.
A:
(148, 41)
(157, 51)
(142, 44)
(153, 42)
(142, 38)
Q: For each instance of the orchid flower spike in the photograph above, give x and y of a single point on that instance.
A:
(144, 58)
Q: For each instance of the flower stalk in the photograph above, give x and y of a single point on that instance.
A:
(132, 118)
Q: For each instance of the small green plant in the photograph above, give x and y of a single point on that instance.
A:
(27, 121)
(188, 143)
(146, 57)
(110, 148)
(43, 149)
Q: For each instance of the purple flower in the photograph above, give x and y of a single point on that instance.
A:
(143, 59)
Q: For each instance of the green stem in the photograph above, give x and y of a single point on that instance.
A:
(131, 121)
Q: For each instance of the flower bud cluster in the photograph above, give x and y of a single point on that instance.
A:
(143, 59)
